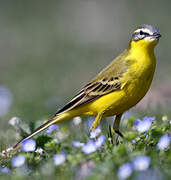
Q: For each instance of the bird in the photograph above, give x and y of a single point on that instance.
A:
(117, 88)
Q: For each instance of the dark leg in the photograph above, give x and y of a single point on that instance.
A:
(116, 124)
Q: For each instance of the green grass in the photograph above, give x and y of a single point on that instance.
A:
(104, 163)
(50, 50)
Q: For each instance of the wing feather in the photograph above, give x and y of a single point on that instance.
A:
(91, 92)
(107, 81)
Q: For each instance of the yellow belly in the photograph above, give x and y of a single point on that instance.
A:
(137, 82)
(116, 102)
(120, 101)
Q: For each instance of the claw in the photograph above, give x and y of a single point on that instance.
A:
(119, 133)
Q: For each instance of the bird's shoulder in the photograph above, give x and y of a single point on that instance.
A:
(108, 80)
(115, 69)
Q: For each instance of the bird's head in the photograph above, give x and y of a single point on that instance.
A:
(145, 36)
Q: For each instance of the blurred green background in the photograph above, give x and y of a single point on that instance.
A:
(49, 49)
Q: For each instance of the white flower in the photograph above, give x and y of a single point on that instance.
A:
(59, 159)
(77, 120)
(141, 163)
(144, 124)
(89, 147)
(62, 135)
(14, 121)
(77, 144)
(125, 171)
(18, 161)
(95, 133)
(100, 141)
(29, 145)
(164, 142)
(39, 151)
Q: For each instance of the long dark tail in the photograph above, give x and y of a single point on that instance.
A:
(56, 119)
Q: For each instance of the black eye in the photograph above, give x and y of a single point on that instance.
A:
(144, 33)
(141, 32)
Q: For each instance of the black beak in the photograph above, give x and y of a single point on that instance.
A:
(157, 35)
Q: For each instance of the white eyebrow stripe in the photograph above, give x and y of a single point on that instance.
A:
(144, 30)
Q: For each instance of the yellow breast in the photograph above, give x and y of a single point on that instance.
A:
(137, 81)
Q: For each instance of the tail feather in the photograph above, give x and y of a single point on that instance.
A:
(57, 118)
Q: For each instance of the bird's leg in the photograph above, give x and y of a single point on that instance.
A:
(116, 124)
(96, 121)
(110, 135)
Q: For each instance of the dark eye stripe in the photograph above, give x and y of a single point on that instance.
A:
(138, 36)
(141, 32)
(144, 33)
(147, 34)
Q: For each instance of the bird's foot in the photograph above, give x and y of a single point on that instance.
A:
(114, 137)
(118, 136)
(119, 133)
(110, 135)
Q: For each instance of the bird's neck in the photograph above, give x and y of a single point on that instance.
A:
(142, 52)
(142, 46)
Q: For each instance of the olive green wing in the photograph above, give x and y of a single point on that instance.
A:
(107, 81)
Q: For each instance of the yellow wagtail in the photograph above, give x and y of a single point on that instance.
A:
(118, 87)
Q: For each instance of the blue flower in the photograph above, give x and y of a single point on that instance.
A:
(133, 141)
(52, 128)
(88, 123)
(136, 122)
(125, 171)
(127, 114)
(28, 145)
(164, 142)
(5, 100)
(141, 163)
(144, 124)
(59, 159)
(100, 141)
(18, 161)
(95, 133)
(89, 147)
(152, 118)
(4, 170)
(77, 144)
